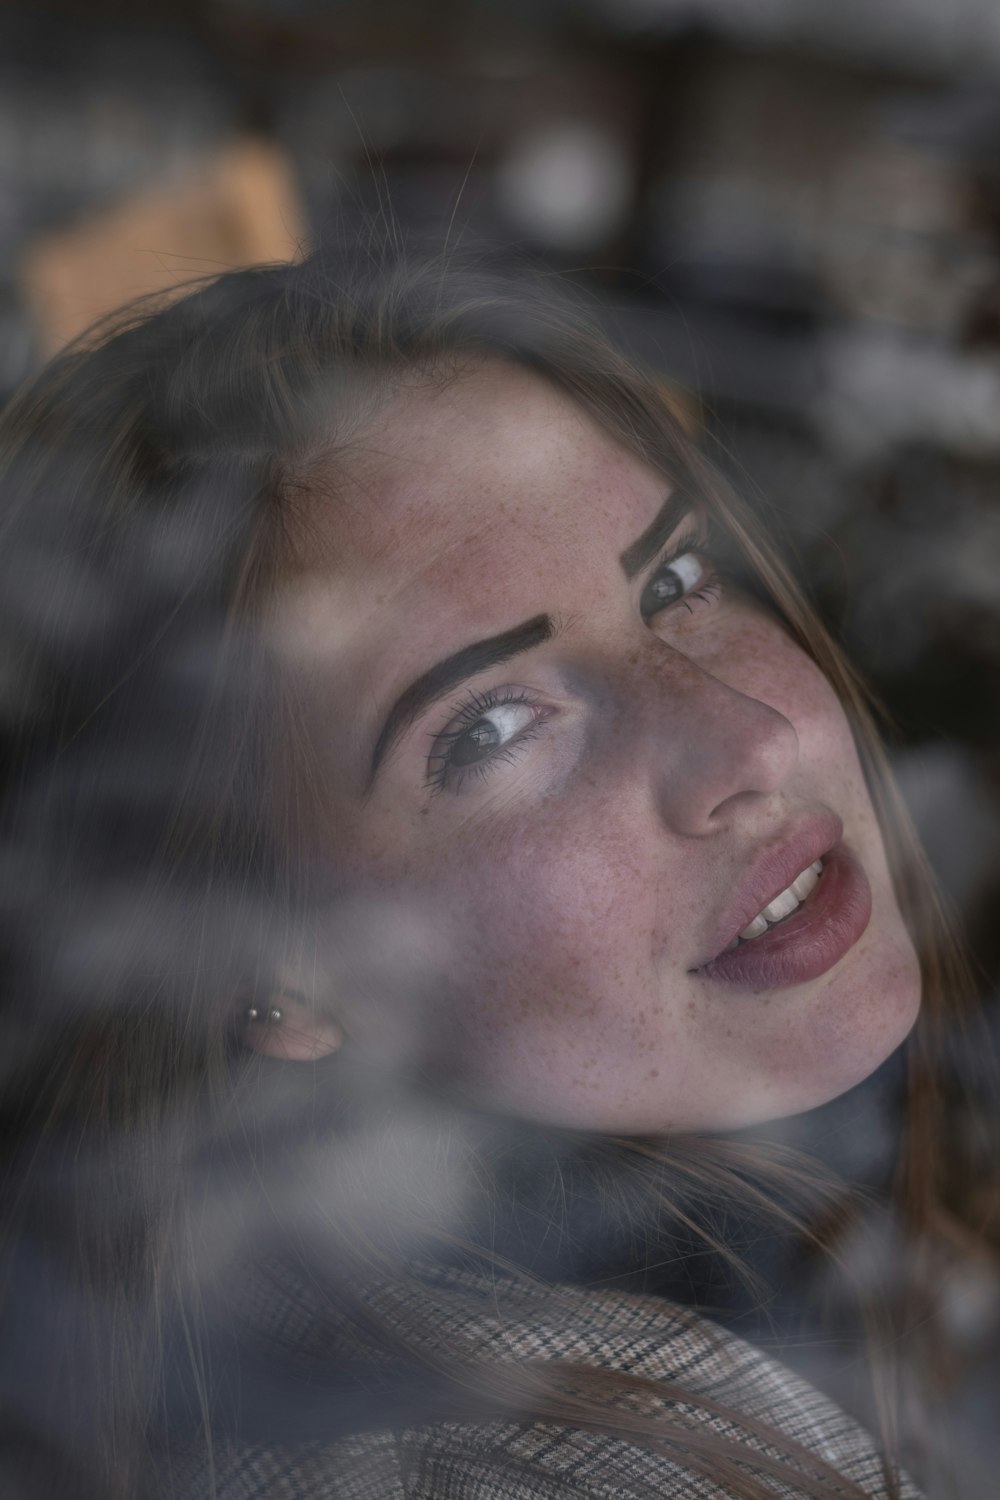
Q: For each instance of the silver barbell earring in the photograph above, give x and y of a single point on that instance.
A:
(269, 1017)
(273, 1015)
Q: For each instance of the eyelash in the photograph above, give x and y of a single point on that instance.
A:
(443, 775)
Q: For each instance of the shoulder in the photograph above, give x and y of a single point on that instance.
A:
(713, 1382)
(707, 1385)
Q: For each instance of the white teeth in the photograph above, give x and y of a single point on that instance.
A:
(785, 902)
(756, 927)
(782, 906)
(804, 883)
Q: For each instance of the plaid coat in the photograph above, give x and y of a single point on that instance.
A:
(457, 1314)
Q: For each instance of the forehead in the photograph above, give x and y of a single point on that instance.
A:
(496, 456)
(464, 509)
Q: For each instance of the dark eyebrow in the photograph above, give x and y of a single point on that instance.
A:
(449, 673)
(671, 513)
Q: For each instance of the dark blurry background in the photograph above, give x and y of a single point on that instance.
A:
(792, 207)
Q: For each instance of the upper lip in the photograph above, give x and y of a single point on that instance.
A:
(771, 870)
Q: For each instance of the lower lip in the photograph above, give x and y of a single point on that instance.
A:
(809, 942)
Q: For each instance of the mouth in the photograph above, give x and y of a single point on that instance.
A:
(803, 931)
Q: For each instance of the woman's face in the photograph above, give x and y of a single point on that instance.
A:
(567, 767)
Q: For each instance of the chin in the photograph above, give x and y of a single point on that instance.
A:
(849, 1024)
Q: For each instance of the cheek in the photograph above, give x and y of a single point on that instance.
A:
(546, 994)
(548, 923)
(551, 916)
(761, 660)
(555, 995)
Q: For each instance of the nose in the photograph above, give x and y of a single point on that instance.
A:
(713, 748)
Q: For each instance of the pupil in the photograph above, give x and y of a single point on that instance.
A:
(478, 738)
(664, 588)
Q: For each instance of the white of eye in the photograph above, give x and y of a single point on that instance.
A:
(508, 719)
(689, 569)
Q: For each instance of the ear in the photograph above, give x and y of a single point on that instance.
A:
(290, 1028)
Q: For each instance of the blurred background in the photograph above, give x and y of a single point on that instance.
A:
(790, 208)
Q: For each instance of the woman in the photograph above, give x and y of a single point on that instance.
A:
(450, 824)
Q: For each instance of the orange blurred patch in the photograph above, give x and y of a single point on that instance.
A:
(237, 207)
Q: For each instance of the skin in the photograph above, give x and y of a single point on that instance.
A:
(552, 909)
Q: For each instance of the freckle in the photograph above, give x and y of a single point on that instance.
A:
(654, 1073)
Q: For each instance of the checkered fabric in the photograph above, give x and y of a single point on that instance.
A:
(456, 1314)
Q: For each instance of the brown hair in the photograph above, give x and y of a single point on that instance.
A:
(151, 480)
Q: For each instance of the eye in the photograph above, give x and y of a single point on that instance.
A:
(689, 574)
(487, 731)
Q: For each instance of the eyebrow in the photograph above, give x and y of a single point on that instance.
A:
(667, 519)
(448, 673)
